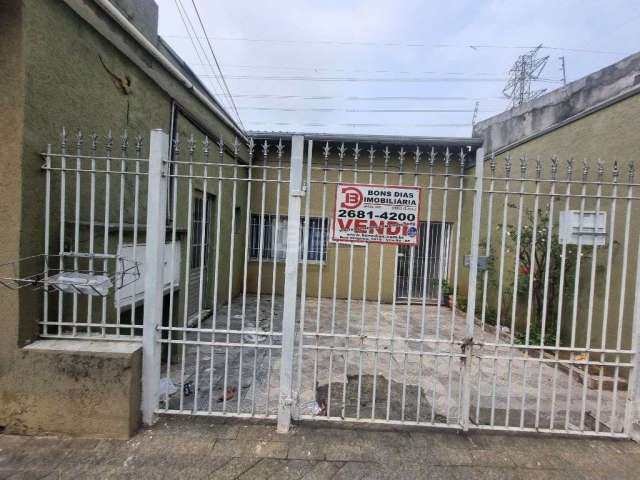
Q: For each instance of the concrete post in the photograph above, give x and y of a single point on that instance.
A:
(153, 267)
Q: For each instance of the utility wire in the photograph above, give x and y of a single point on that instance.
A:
(303, 78)
(365, 110)
(319, 69)
(403, 125)
(416, 98)
(216, 62)
(407, 44)
(186, 21)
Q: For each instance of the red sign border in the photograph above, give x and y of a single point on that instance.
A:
(352, 242)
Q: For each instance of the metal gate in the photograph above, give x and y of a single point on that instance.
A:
(516, 310)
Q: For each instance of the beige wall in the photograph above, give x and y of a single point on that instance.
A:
(348, 268)
(611, 135)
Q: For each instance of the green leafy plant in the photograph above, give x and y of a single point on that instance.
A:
(540, 258)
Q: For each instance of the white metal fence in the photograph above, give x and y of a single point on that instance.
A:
(517, 308)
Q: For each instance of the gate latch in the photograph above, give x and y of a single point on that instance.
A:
(466, 343)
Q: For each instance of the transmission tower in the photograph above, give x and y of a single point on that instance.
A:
(526, 69)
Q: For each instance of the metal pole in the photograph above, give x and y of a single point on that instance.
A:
(471, 296)
(153, 265)
(290, 284)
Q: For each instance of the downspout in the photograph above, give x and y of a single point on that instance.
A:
(114, 13)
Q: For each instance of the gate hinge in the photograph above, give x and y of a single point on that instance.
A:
(299, 193)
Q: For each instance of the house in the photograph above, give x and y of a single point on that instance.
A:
(356, 271)
(99, 68)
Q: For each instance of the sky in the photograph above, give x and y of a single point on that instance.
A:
(403, 67)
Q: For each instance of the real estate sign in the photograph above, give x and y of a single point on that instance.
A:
(376, 214)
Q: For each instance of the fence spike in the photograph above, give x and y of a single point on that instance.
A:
(417, 154)
(176, 144)
(326, 150)
(63, 139)
(538, 167)
(585, 170)
(492, 165)
(463, 158)
(252, 146)
(554, 167)
(356, 152)
(221, 147)
(524, 166)
(600, 169)
(432, 157)
(108, 143)
(265, 149)
(280, 148)
(79, 141)
(124, 142)
(569, 168)
(341, 151)
(507, 166)
(205, 145)
(387, 154)
(139, 143)
(632, 170)
(447, 158)
(615, 171)
(94, 143)
(191, 145)
(372, 153)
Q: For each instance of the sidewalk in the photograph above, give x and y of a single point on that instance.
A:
(211, 448)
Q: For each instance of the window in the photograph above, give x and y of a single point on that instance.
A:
(272, 234)
(196, 231)
(237, 220)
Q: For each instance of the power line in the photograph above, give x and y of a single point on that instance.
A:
(216, 62)
(308, 78)
(364, 110)
(318, 69)
(417, 44)
(415, 98)
(357, 125)
(186, 21)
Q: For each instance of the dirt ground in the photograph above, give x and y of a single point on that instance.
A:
(400, 363)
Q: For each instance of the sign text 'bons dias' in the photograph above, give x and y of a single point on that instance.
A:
(376, 214)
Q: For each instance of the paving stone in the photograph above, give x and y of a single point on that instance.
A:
(256, 451)
(234, 468)
(538, 458)
(11, 441)
(323, 470)
(492, 458)
(355, 471)
(538, 474)
(442, 454)
(265, 469)
(250, 448)
(306, 450)
(262, 432)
